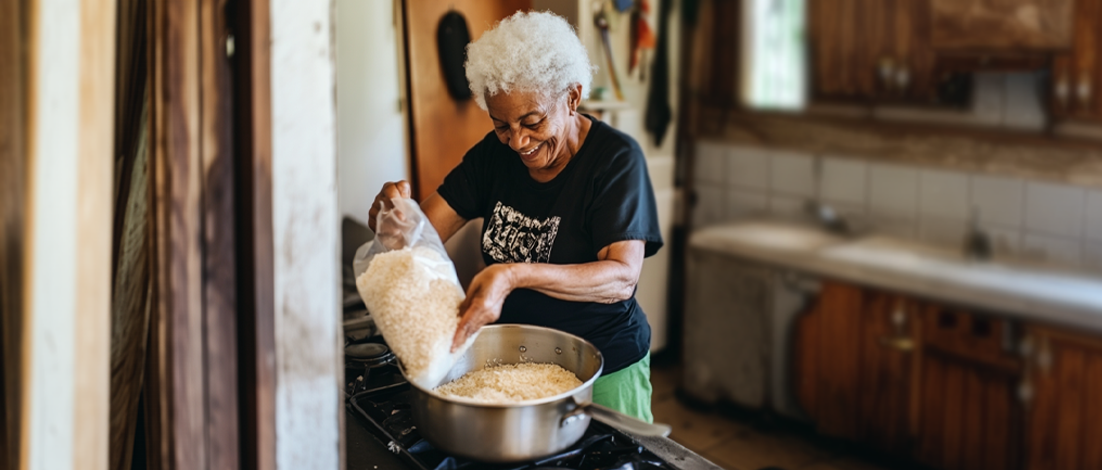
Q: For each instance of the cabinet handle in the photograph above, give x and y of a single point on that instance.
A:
(902, 78)
(1061, 92)
(902, 344)
(1083, 91)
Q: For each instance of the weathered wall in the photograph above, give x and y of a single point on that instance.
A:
(67, 268)
(371, 125)
(305, 236)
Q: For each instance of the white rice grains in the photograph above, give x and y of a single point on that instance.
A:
(512, 383)
(415, 308)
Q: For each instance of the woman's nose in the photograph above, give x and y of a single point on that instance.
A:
(518, 140)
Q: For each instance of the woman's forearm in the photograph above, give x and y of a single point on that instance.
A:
(600, 281)
(610, 280)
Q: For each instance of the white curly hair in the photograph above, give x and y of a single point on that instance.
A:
(531, 52)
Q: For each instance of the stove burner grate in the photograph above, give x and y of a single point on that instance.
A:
(389, 414)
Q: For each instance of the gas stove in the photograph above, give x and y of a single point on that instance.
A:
(378, 401)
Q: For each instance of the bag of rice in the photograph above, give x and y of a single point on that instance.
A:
(411, 289)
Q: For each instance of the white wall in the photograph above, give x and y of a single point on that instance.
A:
(305, 223)
(371, 127)
(652, 292)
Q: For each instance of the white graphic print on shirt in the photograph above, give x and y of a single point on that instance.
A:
(512, 237)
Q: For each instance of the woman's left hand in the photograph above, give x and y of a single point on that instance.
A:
(485, 297)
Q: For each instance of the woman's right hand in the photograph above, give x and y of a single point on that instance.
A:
(391, 190)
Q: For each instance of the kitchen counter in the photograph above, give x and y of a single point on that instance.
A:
(1025, 290)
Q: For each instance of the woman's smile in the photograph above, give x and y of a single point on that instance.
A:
(531, 153)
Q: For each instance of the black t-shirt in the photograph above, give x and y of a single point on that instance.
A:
(602, 196)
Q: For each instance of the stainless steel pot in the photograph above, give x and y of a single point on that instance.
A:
(503, 433)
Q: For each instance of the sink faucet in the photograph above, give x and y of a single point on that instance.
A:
(977, 243)
(823, 213)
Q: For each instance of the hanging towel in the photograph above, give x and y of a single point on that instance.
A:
(659, 112)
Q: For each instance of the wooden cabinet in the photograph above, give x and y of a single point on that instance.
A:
(970, 418)
(829, 355)
(1064, 391)
(912, 379)
(889, 370)
(857, 366)
(870, 50)
(1077, 72)
(1001, 25)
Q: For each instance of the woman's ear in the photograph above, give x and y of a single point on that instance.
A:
(575, 98)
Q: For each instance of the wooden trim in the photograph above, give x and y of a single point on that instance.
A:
(178, 234)
(256, 311)
(219, 281)
(13, 199)
(92, 321)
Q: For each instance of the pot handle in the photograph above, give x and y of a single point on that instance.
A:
(617, 419)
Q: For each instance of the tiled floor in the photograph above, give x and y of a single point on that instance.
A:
(737, 442)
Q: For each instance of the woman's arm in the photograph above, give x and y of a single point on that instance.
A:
(612, 278)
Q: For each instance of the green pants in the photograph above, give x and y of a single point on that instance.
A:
(627, 390)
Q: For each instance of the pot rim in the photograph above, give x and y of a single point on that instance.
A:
(542, 401)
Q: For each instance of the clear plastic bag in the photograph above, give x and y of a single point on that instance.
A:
(411, 289)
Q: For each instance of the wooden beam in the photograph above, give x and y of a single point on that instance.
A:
(218, 215)
(92, 318)
(256, 310)
(178, 310)
(13, 197)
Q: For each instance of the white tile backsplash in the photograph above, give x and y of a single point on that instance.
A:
(944, 232)
(1055, 209)
(748, 168)
(1093, 219)
(787, 207)
(1023, 107)
(1052, 248)
(1092, 256)
(1004, 240)
(742, 203)
(1000, 201)
(708, 209)
(1060, 223)
(943, 194)
(710, 163)
(893, 191)
(894, 225)
(844, 181)
(792, 173)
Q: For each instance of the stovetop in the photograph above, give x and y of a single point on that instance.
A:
(380, 434)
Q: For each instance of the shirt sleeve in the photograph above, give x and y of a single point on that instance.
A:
(465, 188)
(623, 206)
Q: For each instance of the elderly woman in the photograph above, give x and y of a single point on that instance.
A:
(568, 206)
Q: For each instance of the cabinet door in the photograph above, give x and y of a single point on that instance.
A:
(829, 349)
(869, 50)
(1064, 421)
(1004, 25)
(889, 370)
(969, 416)
(832, 30)
(1077, 73)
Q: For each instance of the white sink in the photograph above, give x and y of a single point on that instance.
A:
(943, 266)
(770, 235)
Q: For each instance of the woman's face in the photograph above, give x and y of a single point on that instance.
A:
(535, 127)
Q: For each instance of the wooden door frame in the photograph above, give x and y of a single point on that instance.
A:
(210, 399)
(13, 199)
(254, 250)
